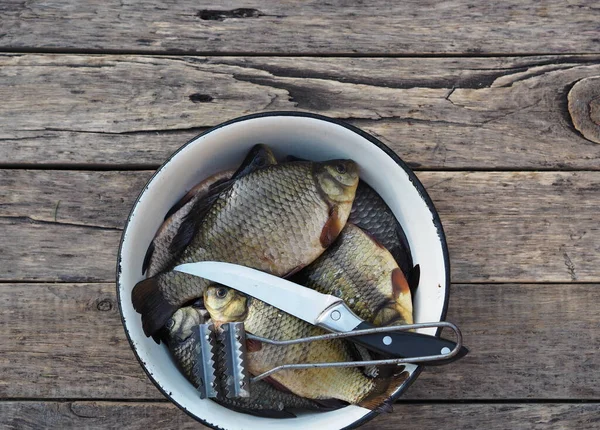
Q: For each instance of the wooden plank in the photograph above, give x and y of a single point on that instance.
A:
(65, 340)
(459, 113)
(139, 415)
(415, 27)
(500, 226)
(527, 341)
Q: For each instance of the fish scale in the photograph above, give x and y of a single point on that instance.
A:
(348, 384)
(160, 257)
(218, 235)
(359, 271)
(186, 350)
(371, 213)
(276, 219)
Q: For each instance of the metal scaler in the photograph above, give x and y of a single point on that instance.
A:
(205, 369)
(228, 346)
(232, 339)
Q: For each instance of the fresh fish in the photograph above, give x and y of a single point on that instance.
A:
(159, 256)
(373, 215)
(359, 270)
(277, 219)
(264, 400)
(344, 383)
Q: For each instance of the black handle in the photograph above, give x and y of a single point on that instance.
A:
(405, 344)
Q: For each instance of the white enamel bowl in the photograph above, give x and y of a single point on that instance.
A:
(287, 133)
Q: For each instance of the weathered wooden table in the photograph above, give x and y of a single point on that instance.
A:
(495, 106)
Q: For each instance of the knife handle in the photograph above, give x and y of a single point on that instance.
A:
(405, 344)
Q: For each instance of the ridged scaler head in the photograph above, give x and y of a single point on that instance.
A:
(205, 369)
(233, 343)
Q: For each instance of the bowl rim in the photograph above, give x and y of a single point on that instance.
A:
(389, 152)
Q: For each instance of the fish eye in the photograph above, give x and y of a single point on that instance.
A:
(261, 162)
(170, 323)
(340, 168)
(221, 292)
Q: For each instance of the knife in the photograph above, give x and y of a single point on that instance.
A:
(323, 310)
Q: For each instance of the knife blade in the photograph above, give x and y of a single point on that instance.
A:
(323, 310)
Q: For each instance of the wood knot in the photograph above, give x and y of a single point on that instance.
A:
(201, 98)
(584, 107)
(104, 305)
(221, 15)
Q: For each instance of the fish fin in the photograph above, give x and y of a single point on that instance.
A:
(191, 222)
(395, 319)
(386, 407)
(156, 338)
(148, 257)
(402, 296)
(184, 235)
(182, 202)
(402, 252)
(329, 404)
(264, 413)
(331, 229)
(384, 388)
(291, 158)
(269, 413)
(373, 238)
(198, 303)
(277, 385)
(258, 157)
(149, 301)
(253, 345)
(363, 354)
(293, 271)
(217, 183)
(413, 279)
(399, 284)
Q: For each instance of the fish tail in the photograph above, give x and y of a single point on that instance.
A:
(379, 399)
(149, 301)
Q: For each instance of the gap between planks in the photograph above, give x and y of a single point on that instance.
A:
(151, 167)
(495, 284)
(183, 53)
(523, 401)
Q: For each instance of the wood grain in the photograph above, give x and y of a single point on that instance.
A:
(337, 26)
(436, 113)
(139, 415)
(500, 226)
(584, 107)
(64, 340)
(526, 341)
(467, 93)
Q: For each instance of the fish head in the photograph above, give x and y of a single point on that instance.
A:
(179, 326)
(225, 304)
(338, 179)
